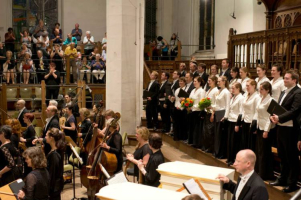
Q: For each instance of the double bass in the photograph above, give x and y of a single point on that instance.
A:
(94, 177)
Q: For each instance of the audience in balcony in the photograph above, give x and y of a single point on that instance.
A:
(92, 55)
(77, 32)
(98, 67)
(39, 29)
(56, 37)
(10, 39)
(104, 40)
(25, 38)
(85, 68)
(57, 57)
(41, 65)
(72, 53)
(26, 67)
(70, 39)
(52, 80)
(88, 42)
(9, 67)
(173, 46)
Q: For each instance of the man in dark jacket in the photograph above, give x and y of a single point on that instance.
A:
(249, 185)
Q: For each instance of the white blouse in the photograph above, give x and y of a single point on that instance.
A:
(263, 79)
(235, 107)
(261, 114)
(222, 101)
(249, 105)
(232, 81)
(197, 95)
(211, 94)
(244, 83)
(177, 99)
(277, 88)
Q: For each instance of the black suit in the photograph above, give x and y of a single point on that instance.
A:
(195, 74)
(226, 74)
(174, 86)
(54, 123)
(183, 73)
(254, 189)
(20, 118)
(164, 92)
(151, 105)
(191, 87)
(287, 137)
(205, 77)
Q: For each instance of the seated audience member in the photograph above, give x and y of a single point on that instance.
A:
(41, 65)
(37, 183)
(85, 69)
(26, 67)
(56, 37)
(142, 151)
(72, 53)
(88, 42)
(98, 68)
(9, 67)
(57, 26)
(193, 197)
(163, 45)
(25, 38)
(10, 40)
(2, 56)
(69, 40)
(151, 175)
(77, 32)
(92, 55)
(23, 51)
(244, 164)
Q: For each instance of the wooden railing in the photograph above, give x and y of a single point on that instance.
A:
(266, 47)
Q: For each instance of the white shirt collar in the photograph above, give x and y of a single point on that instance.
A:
(288, 90)
(246, 177)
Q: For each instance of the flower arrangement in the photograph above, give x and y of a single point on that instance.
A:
(187, 103)
(205, 103)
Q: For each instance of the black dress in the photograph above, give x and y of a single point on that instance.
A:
(29, 135)
(70, 133)
(57, 59)
(7, 154)
(152, 176)
(101, 121)
(15, 140)
(37, 185)
(55, 168)
(52, 86)
(86, 131)
(139, 154)
(115, 144)
(11, 65)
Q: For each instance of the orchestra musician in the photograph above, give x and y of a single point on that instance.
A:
(97, 109)
(114, 144)
(16, 131)
(55, 163)
(29, 134)
(37, 181)
(108, 114)
(75, 110)
(86, 130)
(7, 154)
(22, 110)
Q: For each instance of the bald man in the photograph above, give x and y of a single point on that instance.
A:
(22, 110)
(249, 185)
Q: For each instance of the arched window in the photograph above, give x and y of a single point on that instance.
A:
(206, 24)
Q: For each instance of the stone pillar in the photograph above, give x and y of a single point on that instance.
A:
(124, 76)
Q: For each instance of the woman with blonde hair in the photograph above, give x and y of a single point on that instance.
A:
(9, 65)
(37, 181)
(261, 72)
(245, 76)
(16, 131)
(142, 151)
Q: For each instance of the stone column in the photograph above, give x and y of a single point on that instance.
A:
(124, 76)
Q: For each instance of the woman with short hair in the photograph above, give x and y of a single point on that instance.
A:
(37, 181)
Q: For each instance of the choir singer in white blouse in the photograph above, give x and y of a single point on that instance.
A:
(261, 72)
(222, 102)
(264, 166)
(245, 76)
(234, 135)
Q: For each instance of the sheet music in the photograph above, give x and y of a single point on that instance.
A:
(117, 178)
(76, 154)
(193, 188)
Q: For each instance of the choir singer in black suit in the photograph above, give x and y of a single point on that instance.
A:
(193, 68)
(22, 110)
(189, 84)
(287, 132)
(225, 70)
(175, 85)
(164, 92)
(152, 102)
(202, 72)
(182, 69)
(249, 185)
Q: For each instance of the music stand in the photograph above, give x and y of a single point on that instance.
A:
(72, 144)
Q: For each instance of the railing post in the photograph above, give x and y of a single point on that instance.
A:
(67, 70)
(43, 94)
(179, 51)
(83, 95)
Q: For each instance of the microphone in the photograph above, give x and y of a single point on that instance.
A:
(233, 15)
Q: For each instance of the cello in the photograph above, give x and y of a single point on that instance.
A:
(100, 157)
